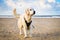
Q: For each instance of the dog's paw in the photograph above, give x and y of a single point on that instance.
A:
(26, 36)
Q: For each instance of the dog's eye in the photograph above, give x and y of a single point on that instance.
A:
(30, 9)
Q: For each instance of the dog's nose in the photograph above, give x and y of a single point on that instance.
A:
(34, 12)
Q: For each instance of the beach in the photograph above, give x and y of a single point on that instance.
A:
(44, 29)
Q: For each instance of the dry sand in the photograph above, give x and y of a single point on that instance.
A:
(45, 29)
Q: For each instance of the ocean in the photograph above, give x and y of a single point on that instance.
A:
(35, 16)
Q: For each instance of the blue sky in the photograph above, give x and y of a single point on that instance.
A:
(42, 7)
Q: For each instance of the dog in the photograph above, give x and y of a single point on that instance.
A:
(25, 21)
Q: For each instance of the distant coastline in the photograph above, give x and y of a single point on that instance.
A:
(35, 16)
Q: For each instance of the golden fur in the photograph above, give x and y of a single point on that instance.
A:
(21, 22)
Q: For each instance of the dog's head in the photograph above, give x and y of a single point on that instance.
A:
(29, 13)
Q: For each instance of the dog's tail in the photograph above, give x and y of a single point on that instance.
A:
(15, 14)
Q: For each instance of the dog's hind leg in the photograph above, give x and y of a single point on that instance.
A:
(21, 31)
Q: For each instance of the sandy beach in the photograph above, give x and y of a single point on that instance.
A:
(45, 29)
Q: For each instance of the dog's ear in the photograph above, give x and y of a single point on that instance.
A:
(27, 11)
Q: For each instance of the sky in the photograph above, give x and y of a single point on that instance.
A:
(42, 7)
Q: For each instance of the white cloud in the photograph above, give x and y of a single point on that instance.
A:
(58, 5)
(21, 5)
(41, 4)
(10, 3)
(51, 1)
(48, 6)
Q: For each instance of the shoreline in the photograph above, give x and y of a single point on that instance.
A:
(36, 16)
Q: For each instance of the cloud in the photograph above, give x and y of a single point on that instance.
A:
(58, 4)
(51, 1)
(23, 4)
(10, 3)
(39, 5)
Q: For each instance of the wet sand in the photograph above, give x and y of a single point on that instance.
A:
(45, 29)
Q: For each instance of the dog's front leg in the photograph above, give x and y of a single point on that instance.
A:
(25, 32)
(30, 31)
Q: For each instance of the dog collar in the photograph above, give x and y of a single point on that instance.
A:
(27, 23)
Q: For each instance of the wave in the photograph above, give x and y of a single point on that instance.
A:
(35, 16)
